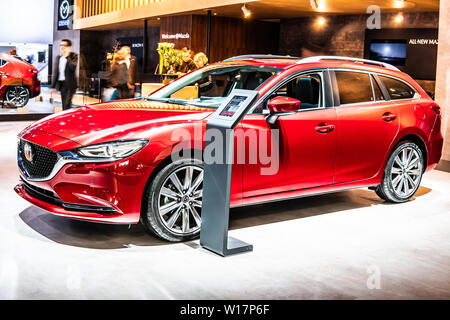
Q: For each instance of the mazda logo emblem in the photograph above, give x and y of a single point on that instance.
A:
(64, 9)
(28, 151)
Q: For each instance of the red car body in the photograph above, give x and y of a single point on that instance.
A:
(353, 155)
(15, 73)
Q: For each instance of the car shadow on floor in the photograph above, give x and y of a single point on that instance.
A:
(107, 236)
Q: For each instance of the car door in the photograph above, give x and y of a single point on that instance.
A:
(306, 144)
(368, 123)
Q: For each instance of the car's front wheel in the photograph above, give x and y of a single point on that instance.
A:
(17, 96)
(173, 201)
(402, 174)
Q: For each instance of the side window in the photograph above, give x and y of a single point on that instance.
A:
(397, 89)
(2, 62)
(376, 89)
(306, 88)
(354, 87)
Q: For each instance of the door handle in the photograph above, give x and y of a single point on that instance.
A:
(324, 128)
(388, 116)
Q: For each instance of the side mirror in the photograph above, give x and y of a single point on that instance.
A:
(283, 104)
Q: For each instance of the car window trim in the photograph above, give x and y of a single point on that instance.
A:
(383, 88)
(398, 79)
(290, 77)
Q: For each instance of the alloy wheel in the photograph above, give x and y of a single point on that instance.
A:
(406, 172)
(180, 200)
(17, 96)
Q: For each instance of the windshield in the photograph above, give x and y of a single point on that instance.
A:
(209, 86)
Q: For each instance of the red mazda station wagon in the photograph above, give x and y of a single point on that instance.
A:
(343, 123)
(18, 81)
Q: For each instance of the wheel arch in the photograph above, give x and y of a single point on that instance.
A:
(415, 136)
(162, 163)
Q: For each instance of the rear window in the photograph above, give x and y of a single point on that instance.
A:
(354, 87)
(397, 89)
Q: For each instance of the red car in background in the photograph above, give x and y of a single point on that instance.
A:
(18, 81)
(343, 123)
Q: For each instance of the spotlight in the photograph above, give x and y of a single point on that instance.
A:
(399, 18)
(246, 11)
(318, 5)
(321, 21)
(399, 4)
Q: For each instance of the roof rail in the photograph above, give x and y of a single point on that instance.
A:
(373, 62)
(260, 56)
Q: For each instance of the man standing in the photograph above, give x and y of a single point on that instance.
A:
(13, 52)
(132, 67)
(64, 78)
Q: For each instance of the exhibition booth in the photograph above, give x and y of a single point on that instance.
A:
(227, 149)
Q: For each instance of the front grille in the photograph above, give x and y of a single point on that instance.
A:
(42, 162)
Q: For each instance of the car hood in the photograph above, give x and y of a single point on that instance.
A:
(120, 120)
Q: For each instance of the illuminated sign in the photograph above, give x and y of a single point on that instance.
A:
(65, 14)
(424, 41)
(177, 36)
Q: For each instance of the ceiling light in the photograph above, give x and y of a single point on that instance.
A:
(402, 4)
(399, 4)
(321, 21)
(246, 11)
(399, 18)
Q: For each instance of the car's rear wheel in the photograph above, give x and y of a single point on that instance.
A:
(403, 173)
(173, 201)
(17, 96)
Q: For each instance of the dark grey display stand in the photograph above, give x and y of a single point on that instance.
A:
(217, 177)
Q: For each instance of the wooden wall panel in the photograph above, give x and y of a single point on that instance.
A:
(231, 37)
(177, 24)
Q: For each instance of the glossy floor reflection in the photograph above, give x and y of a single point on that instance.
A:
(322, 247)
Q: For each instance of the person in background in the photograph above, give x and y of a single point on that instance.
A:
(188, 64)
(132, 66)
(13, 52)
(206, 84)
(64, 77)
(200, 60)
(120, 76)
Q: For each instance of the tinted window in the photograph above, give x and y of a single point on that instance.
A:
(378, 94)
(2, 62)
(397, 89)
(306, 88)
(354, 87)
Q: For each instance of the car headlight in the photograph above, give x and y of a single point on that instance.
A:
(112, 150)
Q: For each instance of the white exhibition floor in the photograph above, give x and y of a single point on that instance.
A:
(322, 247)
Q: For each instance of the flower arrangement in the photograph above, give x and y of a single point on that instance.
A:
(169, 58)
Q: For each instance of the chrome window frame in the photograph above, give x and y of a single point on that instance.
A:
(321, 71)
(414, 97)
(383, 88)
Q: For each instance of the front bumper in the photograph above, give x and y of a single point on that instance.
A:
(107, 192)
